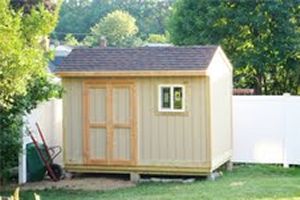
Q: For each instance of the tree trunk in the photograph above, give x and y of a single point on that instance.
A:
(258, 85)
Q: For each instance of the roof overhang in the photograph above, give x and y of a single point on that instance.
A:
(140, 73)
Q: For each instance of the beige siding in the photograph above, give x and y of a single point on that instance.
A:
(121, 105)
(121, 115)
(72, 121)
(164, 139)
(175, 139)
(97, 111)
(98, 138)
(121, 144)
(220, 101)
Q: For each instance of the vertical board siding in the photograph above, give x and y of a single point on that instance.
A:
(72, 110)
(175, 139)
(121, 144)
(97, 112)
(122, 116)
(121, 105)
(98, 138)
(221, 114)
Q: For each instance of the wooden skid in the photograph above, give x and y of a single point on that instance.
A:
(161, 170)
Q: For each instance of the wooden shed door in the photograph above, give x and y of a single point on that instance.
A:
(109, 123)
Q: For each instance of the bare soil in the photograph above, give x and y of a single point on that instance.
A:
(78, 183)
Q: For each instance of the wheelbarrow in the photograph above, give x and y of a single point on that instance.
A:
(54, 171)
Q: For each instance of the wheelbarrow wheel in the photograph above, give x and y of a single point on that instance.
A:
(57, 170)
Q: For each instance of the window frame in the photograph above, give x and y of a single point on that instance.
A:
(171, 86)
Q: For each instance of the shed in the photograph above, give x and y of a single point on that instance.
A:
(148, 110)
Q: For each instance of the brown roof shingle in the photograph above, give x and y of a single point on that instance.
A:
(142, 58)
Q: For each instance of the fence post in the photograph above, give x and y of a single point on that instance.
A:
(285, 129)
(22, 156)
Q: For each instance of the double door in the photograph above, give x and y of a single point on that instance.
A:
(109, 122)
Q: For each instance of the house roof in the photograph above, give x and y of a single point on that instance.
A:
(55, 62)
(137, 59)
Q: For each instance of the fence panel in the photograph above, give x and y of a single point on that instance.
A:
(292, 142)
(266, 129)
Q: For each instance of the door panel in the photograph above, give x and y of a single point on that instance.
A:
(95, 124)
(109, 118)
(97, 102)
(121, 105)
(98, 138)
(122, 144)
(122, 111)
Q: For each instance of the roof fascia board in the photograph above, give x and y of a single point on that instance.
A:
(156, 73)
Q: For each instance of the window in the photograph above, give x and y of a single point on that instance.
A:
(171, 98)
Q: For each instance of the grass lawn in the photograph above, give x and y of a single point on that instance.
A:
(245, 182)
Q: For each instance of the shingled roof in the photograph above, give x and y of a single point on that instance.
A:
(137, 59)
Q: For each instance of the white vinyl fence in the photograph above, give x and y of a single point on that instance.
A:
(266, 129)
(49, 117)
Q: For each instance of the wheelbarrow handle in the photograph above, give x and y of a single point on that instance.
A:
(43, 139)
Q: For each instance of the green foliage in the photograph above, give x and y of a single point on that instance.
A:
(262, 38)
(21, 54)
(39, 89)
(71, 40)
(158, 38)
(78, 16)
(10, 143)
(151, 15)
(23, 78)
(117, 27)
(16, 196)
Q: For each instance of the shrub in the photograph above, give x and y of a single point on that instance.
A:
(11, 120)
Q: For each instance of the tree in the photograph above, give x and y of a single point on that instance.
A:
(117, 27)
(21, 52)
(71, 40)
(78, 16)
(151, 15)
(24, 81)
(158, 38)
(262, 38)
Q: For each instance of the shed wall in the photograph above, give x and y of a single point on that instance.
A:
(164, 139)
(72, 121)
(221, 110)
(176, 139)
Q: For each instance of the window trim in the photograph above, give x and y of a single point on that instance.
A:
(171, 86)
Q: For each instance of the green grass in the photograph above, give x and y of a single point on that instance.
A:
(261, 182)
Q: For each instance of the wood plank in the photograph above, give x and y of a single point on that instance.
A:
(110, 127)
(133, 102)
(131, 73)
(122, 125)
(97, 125)
(201, 170)
(85, 108)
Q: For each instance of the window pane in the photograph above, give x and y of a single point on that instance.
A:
(177, 98)
(166, 97)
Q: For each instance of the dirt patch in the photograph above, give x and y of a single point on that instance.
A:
(79, 183)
